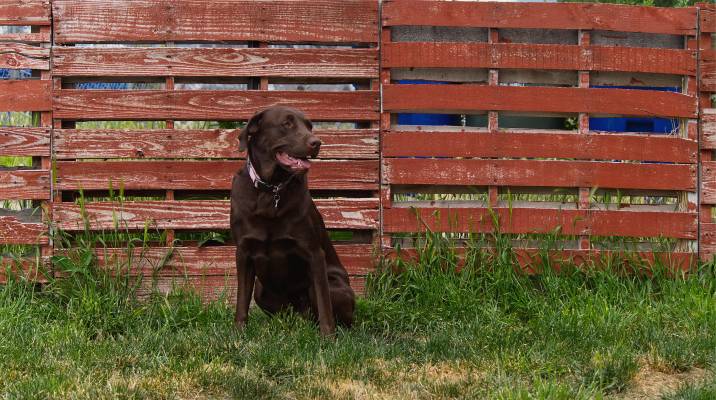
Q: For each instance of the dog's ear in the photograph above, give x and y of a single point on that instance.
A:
(251, 128)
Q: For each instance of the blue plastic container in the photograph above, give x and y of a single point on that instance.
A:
(649, 125)
(427, 119)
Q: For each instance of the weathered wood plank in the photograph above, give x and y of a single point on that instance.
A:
(170, 143)
(707, 242)
(531, 259)
(708, 182)
(538, 56)
(25, 95)
(33, 269)
(214, 260)
(516, 144)
(587, 16)
(24, 142)
(196, 62)
(531, 220)
(25, 12)
(708, 128)
(708, 70)
(538, 173)
(210, 104)
(708, 17)
(466, 98)
(202, 175)
(24, 184)
(15, 231)
(23, 56)
(198, 214)
(34, 37)
(219, 20)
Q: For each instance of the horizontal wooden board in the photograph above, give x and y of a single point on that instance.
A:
(16, 231)
(219, 20)
(708, 128)
(539, 173)
(467, 98)
(24, 141)
(708, 17)
(24, 56)
(587, 16)
(708, 70)
(218, 143)
(210, 104)
(25, 95)
(198, 214)
(225, 62)
(201, 175)
(24, 269)
(538, 56)
(34, 37)
(534, 220)
(24, 184)
(707, 242)
(25, 12)
(708, 182)
(532, 259)
(214, 260)
(515, 144)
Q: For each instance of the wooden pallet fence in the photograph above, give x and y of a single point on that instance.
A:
(217, 61)
(488, 65)
(707, 128)
(25, 118)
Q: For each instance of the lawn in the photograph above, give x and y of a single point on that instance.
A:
(427, 333)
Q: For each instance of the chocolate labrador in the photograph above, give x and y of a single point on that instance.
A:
(281, 239)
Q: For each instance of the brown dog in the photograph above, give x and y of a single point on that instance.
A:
(281, 240)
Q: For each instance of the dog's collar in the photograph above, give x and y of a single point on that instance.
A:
(263, 185)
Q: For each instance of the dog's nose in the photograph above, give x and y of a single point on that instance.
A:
(314, 143)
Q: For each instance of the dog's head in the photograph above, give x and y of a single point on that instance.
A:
(280, 136)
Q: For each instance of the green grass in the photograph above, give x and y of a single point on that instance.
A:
(428, 332)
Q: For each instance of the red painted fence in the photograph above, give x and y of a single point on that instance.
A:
(519, 82)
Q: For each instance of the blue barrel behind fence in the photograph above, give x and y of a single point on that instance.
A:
(426, 119)
(630, 124)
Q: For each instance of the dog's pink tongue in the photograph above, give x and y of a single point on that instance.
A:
(295, 164)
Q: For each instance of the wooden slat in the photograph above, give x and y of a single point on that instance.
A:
(24, 141)
(24, 185)
(515, 144)
(675, 21)
(708, 17)
(708, 182)
(219, 20)
(216, 260)
(35, 37)
(24, 12)
(195, 62)
(15, 231)
(202, 175)
(403, 171)
(707, 244)
(169, 143)
(531, 259)
(23, 56)
(466, 98)
(708, 128)
(531, 220)
(209, 104)
(538, 56)
(25, 95)
(198, 214)
(708, 70)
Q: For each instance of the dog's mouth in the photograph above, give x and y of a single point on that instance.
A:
(294, 164)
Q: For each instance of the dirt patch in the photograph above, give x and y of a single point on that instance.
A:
(650, 383)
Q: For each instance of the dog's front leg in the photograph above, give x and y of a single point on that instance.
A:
(326, 320)
(246, 275)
